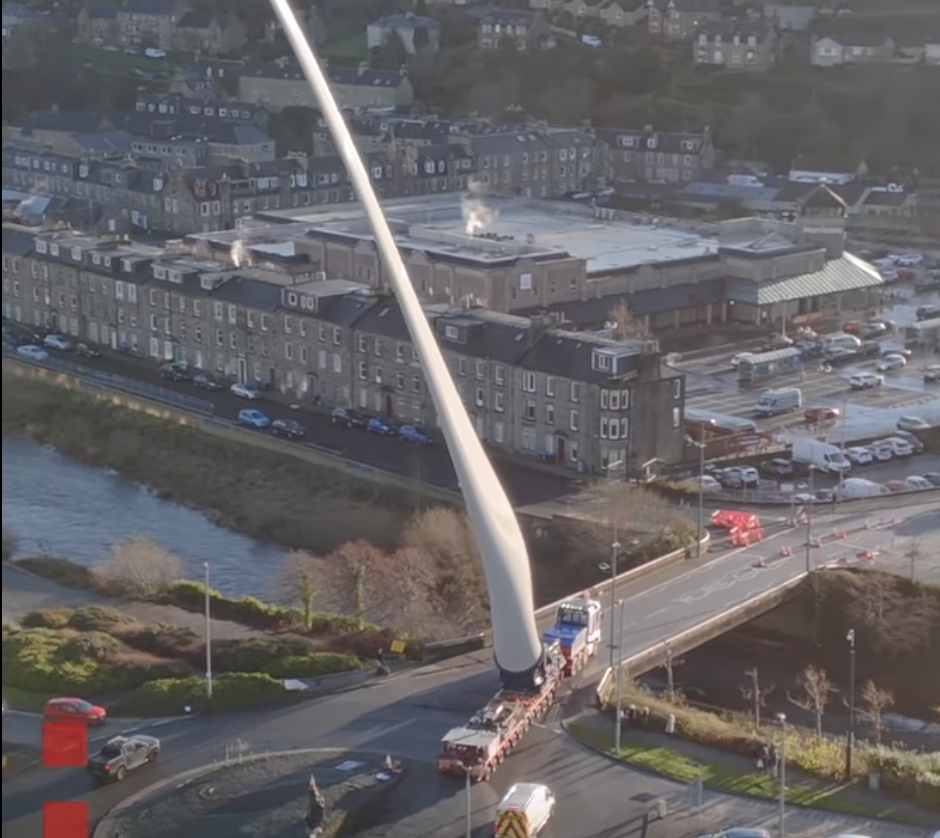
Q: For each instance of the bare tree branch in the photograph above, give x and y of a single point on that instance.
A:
(298, 583)
(138, 568)
(756, 693)
(625, 324)
(817, 689)
(876, 701)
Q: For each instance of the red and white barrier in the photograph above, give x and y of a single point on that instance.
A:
(786, 551)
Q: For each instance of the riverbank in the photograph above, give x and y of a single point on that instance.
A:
(264, 494)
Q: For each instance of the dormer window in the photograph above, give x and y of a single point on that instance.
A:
(292, 299)
(53, 249)
(451, 333)
(127, 265)
(602, 362)
(159, 273)
(651, 142)
(176, 276)
(42, 246)
(77, 254)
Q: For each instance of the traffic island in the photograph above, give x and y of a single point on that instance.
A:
(327, 793)
(17, 759)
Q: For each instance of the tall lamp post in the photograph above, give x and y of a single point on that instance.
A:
(782, 824)
(205, 568)
(809, 519)
(611, 568)
(468, 770)
(618, 675)
(850, 735)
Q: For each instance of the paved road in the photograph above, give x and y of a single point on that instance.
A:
(409, 713)
(430, 465)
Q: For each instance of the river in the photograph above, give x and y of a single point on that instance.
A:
(61, 507)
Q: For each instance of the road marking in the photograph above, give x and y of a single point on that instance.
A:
(655, 613)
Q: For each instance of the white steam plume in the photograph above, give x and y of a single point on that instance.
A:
(239, 254)
(477, 216)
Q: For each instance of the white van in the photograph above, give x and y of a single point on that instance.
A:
(777, 402)
(855, 488)
(524, 811)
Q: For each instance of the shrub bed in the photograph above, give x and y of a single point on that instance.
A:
(63, 572)
(237, 691)
(902, 772)
(98, 650)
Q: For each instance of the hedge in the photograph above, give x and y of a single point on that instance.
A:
(252, 612)
(232, 692)
(314, 665)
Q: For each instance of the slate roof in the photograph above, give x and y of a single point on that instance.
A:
(349, 76)
(507, 17)
(17, 243)
(102, 12)
(195, 20)
(728, 29)
(822, 197)
(251, 293)
(105, 142)
(155, 8)
(884, 198)
(67, 121)
(690, 6)
(847, 273)
(569, 355)
(406, 21)
(669, 142)
(384, 319)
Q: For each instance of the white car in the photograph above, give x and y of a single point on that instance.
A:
(708, 483)
(908, 260)
(805, 499)
(881, 453)
(866, 381)
(740, 357)
(859, 456)
(918, 484)
(56, 342)
(243, 391)
(891, 362)
(898, 447)
(32, 353)
(912, 423)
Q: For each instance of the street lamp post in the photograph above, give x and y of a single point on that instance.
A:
(611, 567)
(782, 825)
(850, 735)
(618, 683)
(468, 770)
(809, 519)
(701, 497)
(205, 568)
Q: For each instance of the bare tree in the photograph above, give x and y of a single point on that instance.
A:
(138, 568)
(756, 693)
(816, 688)
(913, 554)
(298, 583)
(347, 576)
(669, 664)
(625, 324)
(458, 587)
(876, 701)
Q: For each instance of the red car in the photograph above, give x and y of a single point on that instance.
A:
(74, 710)
(818, 415)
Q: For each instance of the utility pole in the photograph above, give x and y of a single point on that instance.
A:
(701, 497)
(611, 568)
(809, 520)
(850, 736)
(205, 567)
(469, 796)
(618, 675)
(782, 825)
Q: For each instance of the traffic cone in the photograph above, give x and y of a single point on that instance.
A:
(761, 563)
(389, 763)
(786, 551)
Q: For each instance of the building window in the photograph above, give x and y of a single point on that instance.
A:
(337, 362)
(363, 344)
(400, 381)
(377, 348)
(624, 428)
(677, 389)
(481, 370)
(676, 417)
(550, 386)
(479, 397)
(416, 384)
(528, 382)
(499, 432)
(289, 351)
(337, 336)
(529, 411)
(604, 424)
(363, 371)
(615, 400)
(461, 366)
(573, 420)
(499, 404)
(549, 414)
(575, 392)
(605, 399)
(499, 375)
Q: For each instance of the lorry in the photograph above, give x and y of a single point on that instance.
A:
(778, 402)
(477, 748)
(577, 631)
(820, 455)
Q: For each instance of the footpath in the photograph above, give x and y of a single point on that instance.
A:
(864, 812)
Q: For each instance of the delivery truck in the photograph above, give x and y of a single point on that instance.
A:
(820, 455)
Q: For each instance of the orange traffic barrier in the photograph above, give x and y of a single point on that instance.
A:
(786, 551)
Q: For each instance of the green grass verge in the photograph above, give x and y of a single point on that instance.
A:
(18, 699)
(677, 766)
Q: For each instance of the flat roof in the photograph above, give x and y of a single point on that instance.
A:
(509, 229)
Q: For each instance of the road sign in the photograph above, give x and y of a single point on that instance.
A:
(398, 647)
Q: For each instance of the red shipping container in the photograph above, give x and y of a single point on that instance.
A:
(65, 819)
(64, 744)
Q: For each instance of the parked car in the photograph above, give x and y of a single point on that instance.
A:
(819, 415)
(859, 456)
(122, 755)
(348, 418)
(74, 710)
(927, 312)
(868, 349)
(174, 372)
(708, 484)
(253, 418)
(56, 342)
(839, 356)
(288, 429)
(243, 391)
(866, 381)
(932, 374)
(83, 350)
(873, 329)
(933, 477)
(897, 447)
(737, 360)
(32, 353)
(207, 382)
(381, 427)
(896, 486)
(912, 423)
(911, 439)
(410, 433)
(778, 467)
(881, 454)
(889, 363)
(739, 477)
(826, 495)
(916, 483)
